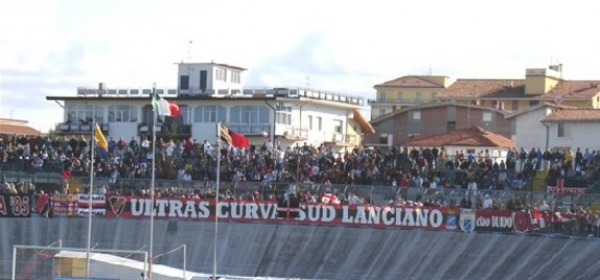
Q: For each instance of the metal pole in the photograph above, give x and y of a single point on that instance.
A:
(145, 264)
(184, 260)
(14, 263)
(89, 236)
(214, 276)
(150, 254)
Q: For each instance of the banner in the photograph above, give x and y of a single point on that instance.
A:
(98, 204)
(403, 217)
(563, 190)
(63, 204)
(531, 220)
(15, 205)
(493, 220)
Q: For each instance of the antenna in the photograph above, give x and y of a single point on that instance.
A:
(190, 50)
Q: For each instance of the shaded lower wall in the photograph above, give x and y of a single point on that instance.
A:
(320, 252)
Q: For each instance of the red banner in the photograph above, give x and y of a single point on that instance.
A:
(531, 220)
(268, 211)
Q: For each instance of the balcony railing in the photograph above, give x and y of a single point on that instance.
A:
(79, 128)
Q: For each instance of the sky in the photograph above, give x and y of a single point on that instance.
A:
(50, 48)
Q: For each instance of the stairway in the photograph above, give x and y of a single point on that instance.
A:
(539, 181)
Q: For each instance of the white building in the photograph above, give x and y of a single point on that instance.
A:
(528, 129)
(574, 128)
(208, 93)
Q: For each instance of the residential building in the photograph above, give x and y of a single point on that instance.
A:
(426, 120)
(540, 85)
(573, 128)
(528, 129)
(406, 91)
(11, 127)
(209, 93)
(474, 139)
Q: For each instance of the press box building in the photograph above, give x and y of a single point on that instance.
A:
(208, 93)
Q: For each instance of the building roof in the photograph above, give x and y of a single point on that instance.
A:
(515, 88)
(216, 64)
(574, 89)
(484, 88)
(538, 106)
(574, 115)
(17, 127)
(409, 82)
(472, 137)
(433, 105)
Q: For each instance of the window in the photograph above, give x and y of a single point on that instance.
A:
(383, 139)
(250, 119)
(416, 115)
(412, 136)
(85, 113)
(184, 82)
(310, 122)
(382, 96)
(122, 113)
(399, 96)
(283, 115)
(450, 126)
(418, 97)
(186, 114)
(564, 130)
(235, 77)
(487, 116)
(210, 114)
(319, 123)
(561, 131)
(221, 74)
(337, 127)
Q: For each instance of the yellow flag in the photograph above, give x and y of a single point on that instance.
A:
(99, 137)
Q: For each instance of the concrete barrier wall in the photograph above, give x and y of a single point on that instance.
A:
(254, 249)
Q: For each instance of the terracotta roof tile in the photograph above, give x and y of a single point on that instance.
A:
(409, 82)
(537, 107)
(502, 88)
(11, 128)
(574, 115)
(574, 89)
(484, 88)
(473, 137)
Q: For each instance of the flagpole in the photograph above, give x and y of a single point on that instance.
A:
(89, 236)
(217, 200)
(150, 256)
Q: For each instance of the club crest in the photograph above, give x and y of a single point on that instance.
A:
(117, 204)
(467, 220)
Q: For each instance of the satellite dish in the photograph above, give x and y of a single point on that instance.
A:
(558, 99)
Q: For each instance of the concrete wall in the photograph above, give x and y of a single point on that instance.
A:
(321, 252)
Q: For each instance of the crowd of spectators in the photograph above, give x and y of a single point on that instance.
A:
(189, 160)
(425, 176)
